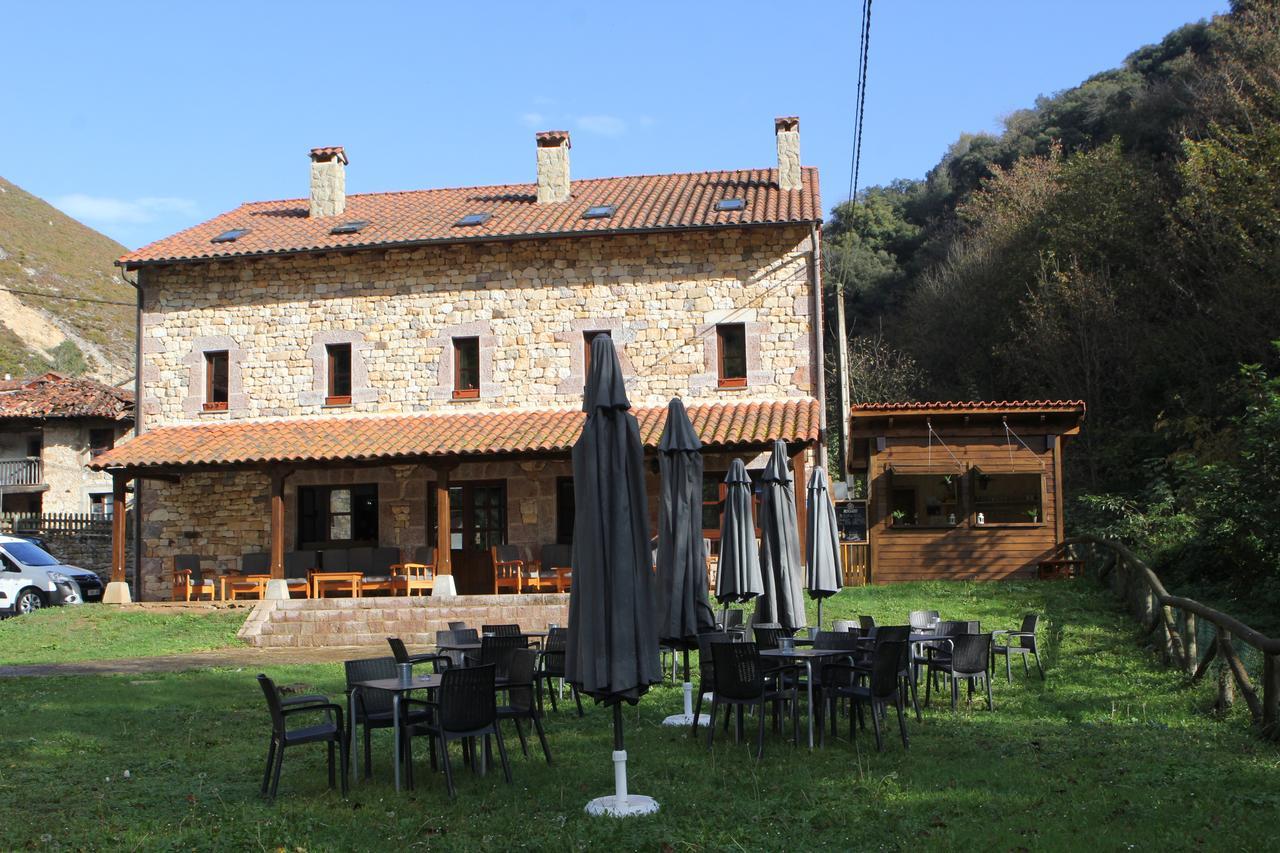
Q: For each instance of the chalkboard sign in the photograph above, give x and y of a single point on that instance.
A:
(851, 518)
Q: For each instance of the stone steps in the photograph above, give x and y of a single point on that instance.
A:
(302, 623)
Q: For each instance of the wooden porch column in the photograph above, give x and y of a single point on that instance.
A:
(277, 523)
(117, 591)
(444, 540)
(801, 484)
(118, 482)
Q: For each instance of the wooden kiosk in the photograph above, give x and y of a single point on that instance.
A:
(961, 491)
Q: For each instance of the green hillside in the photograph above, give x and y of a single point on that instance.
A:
(44, 251)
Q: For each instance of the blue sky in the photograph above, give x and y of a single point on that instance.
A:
(141, 119)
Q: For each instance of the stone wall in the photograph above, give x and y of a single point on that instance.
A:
(529, 301)
(64, 456)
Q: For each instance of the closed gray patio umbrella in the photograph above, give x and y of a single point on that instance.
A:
(612, 651)
(782, 601)
(683, 608)
(738, 571)
(821, 541)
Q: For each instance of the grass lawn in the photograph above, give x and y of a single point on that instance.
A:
(101, 632)
(1112, 752)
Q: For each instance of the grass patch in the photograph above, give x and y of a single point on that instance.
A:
(1112, 751)
(101, 632)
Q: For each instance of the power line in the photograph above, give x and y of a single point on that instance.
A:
(68, 298)
(862, 92)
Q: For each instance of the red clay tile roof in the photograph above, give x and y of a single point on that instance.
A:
(945, 407)
(54, 396)
(644, 203)
(354, 438)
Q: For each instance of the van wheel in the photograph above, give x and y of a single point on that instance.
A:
(28, 601)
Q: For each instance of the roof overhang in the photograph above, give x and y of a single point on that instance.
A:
(444, 438)
(1060, 417)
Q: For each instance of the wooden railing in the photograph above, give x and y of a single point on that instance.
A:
(55, 523)
(855, 558)
(1176, 624)
(21, 472)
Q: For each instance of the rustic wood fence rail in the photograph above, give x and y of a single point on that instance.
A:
(54, 523)
(1190, 636)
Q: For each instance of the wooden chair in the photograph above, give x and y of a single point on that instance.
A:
(251, 580)
(508, 569)
(188, 582)
(418, 577)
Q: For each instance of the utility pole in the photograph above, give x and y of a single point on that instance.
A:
(842, 376)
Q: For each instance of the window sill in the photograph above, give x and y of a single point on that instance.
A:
(344, 400)
(466, 395)
(1031, 524)
(221, 411)
(731, 383)
(214, 407)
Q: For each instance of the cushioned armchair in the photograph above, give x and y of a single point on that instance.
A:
(419, 576)
(188, 581)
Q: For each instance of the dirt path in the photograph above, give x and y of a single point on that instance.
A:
(217, 658)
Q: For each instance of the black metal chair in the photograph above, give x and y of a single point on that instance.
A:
(740, 683)
(552, 666)
(330, 732)
(466, 709)
(706, 671)
(521, 703)
(374, 707)
(970, 661)
(841, 680)
(1028, 646)
(401, 654)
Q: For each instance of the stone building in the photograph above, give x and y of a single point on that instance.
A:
(398, 369)
(51, 427)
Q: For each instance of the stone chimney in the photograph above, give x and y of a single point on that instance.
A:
(787, 129)
(328, 181)
(553, 166)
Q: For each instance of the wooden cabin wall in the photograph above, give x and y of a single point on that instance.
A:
(965, 552)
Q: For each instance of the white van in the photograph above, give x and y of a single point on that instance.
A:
(31, 578)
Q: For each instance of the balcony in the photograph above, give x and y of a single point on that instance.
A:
(21, 472)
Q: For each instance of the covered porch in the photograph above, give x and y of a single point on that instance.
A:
(482, 500)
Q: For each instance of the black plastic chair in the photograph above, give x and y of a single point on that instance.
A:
(969, 661)
(706, 671)
(1027, 646)
(920, 620)
(457, 626)
(769, 636)
(552, 666)
(331, 732)
(840, 680)
(866, 623)
(894, 634)
(521, 704)
(401, 654)
(501, 630)
(497, 651)
(374, 707)
(740, 683)
(466, 709)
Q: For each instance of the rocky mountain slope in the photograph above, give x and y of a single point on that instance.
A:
(46, 256)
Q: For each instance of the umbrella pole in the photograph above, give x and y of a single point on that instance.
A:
(819, 614)
(686, 719)
(622, 803)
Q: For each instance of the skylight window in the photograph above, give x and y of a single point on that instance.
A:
(353, 227)
(730, 204)
(230, 236)
(474, 219)
(600, 211)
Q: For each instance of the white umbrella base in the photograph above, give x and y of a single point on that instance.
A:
(686, 720)
(620, 803)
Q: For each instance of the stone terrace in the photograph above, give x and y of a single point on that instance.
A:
(321, 622)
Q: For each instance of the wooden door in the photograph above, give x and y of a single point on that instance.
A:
(477, 522)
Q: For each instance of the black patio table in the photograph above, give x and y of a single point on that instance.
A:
(807, 657)
(398, 688)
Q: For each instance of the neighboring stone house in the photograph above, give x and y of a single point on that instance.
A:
(360, 368)
(50, 428)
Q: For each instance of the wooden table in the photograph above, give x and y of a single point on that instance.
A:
(350, 581)
(233, 584)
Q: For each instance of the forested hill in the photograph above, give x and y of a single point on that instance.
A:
(1119, 243)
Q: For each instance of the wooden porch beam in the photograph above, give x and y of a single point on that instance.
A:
(118, 539)
(797, 465)
(278, 476)
(444, 540)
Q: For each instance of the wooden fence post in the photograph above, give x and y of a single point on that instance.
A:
(1192, 645)
(1226, 686)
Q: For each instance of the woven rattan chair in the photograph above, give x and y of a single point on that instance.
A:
(740, 683)
(970, 660)
(331, 732)
(521, 701)
(466, 708)
(552, 666)
(1027, 646)
(706, 672)
(841, 680)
